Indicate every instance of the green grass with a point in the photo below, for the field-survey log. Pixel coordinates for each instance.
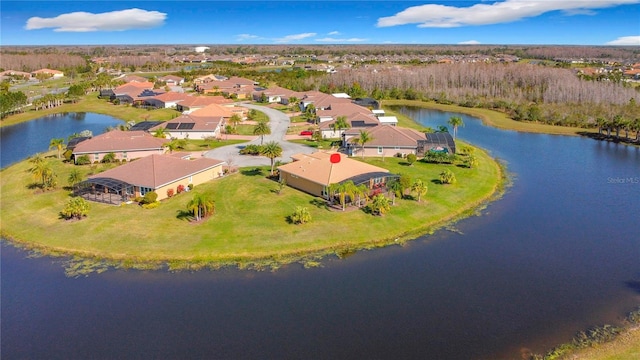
(91, 103)
(245, 129)
(489, 117)
(249, 227)
(201, 145)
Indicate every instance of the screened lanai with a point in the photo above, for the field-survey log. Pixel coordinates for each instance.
(105, 190)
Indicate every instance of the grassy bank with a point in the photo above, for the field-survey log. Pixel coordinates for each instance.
(91, 103)
(249, 228)
(489, 117)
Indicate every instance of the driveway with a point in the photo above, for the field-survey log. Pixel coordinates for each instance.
(279, 122)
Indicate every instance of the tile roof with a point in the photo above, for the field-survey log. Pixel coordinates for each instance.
(118, 140)
(317, 168)
(213, 110)
(387, 136)
(200, 123)
(157, 170)
(201, 101)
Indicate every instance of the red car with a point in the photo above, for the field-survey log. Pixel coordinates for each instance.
(306, 132)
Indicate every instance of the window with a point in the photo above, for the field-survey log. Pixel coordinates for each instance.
(124, 154)
(191, 179)
(96, 157)
(144, 190)
(380, 149)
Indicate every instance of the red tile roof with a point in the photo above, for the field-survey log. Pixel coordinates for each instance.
(157, 170)
(117, 140)
(386, 135)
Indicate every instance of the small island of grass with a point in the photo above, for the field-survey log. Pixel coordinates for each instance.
(249, 228)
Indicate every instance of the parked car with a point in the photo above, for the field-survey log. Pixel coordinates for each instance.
(306, 132)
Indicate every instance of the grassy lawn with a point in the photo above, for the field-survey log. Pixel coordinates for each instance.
(489, 117)
(202, 145)
(250, 226)
(245, 129)
(91, 103)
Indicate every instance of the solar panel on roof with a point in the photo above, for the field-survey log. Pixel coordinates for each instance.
(186, 126)
(172, 125)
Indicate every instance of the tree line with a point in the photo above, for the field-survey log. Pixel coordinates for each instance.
(523, 91)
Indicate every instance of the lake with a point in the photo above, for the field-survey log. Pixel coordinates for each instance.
(22, 140)
(557, 254)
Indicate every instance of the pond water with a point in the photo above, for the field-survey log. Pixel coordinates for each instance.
(559, 253)
(22, 140)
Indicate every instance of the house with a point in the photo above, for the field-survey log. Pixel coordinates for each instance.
(385, 141)
(192, 126)
(275, 94)
(193, 103)
(163, 174)
(168, 100)
(54, 74)
(440, 141)
(130, 92)
(126, 145)
(314, 173)
(357, 121)
(13, 74)
(132, 79)
(172, 80)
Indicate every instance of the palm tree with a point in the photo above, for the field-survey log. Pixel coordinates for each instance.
(42, 172)
(293, 103)
(272, 150)
(262, 129)
(455, 121)
(340, 124)
(57, 143)
(395, 187)
(235, 120)
(160, 133)
(201, 206)
(364, 138)
(75, 177)
(379, 205)
(420, 188)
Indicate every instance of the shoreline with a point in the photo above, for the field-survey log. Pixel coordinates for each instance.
(306, 253)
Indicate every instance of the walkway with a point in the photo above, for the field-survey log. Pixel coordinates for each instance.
(279, 122)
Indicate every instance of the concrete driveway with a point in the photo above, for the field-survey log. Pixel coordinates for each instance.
(279, 122)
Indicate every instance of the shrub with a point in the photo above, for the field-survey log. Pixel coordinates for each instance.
(152, 205)
(471, 161)
(170, 193)
(190, 186)
(180, 188)
(149, 197)
(447, 177)
(411, 158)
(83, 160)
(75, 208)
(301, 215)
(251, 149)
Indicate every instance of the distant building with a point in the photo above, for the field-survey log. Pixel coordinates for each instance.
(201, 49)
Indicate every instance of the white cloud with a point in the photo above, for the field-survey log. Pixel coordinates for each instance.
(243, 37)
(626, 40)
(444, 16)
(294, 37)
(334, 40)
(108, 21)
(334, 33)
(469, 42)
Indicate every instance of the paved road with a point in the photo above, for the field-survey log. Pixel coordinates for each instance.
(279, 122)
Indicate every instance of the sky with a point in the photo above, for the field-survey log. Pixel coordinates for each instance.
(245, 22)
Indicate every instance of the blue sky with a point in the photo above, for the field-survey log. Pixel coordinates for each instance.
(561, 22)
